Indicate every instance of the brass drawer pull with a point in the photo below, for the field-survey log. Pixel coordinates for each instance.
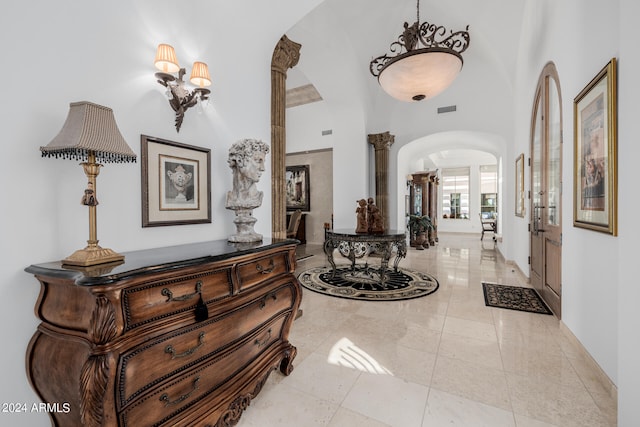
(263, 301)
(167, 293)
(264, 341)
(269, 269)
(165, 397)
(170, 350)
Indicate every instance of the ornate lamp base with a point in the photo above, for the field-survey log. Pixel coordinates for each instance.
(92, 255)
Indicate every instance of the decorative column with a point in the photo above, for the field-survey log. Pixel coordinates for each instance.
(285, 55)
(381, 143)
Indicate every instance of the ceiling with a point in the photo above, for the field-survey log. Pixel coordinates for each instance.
(340, 37)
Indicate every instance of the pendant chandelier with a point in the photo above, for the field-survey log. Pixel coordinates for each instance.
(423, 62)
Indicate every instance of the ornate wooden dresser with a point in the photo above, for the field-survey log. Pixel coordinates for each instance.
(184, 335)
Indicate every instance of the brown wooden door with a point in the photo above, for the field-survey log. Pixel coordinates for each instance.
(546, 190)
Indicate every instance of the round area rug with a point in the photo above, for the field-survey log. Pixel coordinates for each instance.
(364, 284)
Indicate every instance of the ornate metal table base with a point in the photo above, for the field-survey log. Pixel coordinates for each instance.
(354, 245)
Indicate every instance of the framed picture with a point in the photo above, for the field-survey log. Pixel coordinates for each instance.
(595, 153)
(176, 183)
(298, 188)
(520, 185)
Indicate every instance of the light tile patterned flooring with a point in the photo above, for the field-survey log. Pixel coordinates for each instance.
(441, 360)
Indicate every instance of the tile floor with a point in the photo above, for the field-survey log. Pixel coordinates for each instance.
(442, 360)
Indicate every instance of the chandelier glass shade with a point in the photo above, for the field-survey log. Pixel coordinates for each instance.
(423, 62)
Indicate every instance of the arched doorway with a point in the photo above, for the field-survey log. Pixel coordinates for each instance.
(488, 149)
(546, 190)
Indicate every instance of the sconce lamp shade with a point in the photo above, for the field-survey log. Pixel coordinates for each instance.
(90, 128)
(200, 75)
(166, 60)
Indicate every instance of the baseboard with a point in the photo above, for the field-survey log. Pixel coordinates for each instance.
(601, 376)
(517, 270)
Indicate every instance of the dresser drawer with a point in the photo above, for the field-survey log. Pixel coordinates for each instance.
(261, 269)
(158, 299)
(152, 362)
(169, 399)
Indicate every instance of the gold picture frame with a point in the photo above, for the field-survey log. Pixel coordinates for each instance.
(595, 198)
(176, 183)
(520, 186)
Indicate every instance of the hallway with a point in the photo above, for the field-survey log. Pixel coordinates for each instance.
(444, 359)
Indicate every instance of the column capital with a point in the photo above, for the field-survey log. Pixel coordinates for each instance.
(381, 141)
(285, 55)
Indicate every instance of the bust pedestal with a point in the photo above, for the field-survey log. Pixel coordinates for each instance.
(244, 222)
(243, 206)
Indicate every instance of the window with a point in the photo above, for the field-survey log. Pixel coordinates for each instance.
(455, 193)
(488, 191)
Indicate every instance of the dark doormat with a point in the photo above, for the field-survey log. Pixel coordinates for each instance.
(514, 298)
(365, 284)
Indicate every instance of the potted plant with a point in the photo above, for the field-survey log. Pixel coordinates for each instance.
(419, 225)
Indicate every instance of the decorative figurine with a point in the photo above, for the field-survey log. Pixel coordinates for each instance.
(362, 220)
(369, 218)
(246, 160)
(376, 222)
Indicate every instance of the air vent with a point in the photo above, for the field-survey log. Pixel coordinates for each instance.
(327, 132)
(448, 109)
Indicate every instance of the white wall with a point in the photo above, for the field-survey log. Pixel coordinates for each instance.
(628, 153)
(65, 51)
(321, 191)
(578, 37)
(340, 111)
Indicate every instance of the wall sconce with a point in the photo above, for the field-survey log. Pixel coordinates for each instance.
(180, 98)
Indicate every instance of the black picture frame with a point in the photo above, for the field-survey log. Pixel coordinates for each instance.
(176, 183)
(298, 188)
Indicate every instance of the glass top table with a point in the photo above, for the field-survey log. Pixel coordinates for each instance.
(354, 245)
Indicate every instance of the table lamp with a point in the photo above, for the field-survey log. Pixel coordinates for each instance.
(90, 134)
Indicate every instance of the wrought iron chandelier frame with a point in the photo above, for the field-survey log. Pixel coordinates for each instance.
(422, 38)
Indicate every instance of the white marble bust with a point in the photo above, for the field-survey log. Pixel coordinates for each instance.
(246, 160)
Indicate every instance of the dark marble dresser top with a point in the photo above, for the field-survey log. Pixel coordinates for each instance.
(157, 259)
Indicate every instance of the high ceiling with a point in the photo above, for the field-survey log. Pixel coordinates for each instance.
(340, 37)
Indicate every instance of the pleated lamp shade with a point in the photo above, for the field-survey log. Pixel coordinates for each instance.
(166, 60)
(200, 74)
(90, 128)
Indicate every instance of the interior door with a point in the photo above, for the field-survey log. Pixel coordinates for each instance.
(546, 191)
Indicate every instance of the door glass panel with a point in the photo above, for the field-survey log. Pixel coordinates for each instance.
(455, 205)
(554, 155)
(417, 199)
(536, 156)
